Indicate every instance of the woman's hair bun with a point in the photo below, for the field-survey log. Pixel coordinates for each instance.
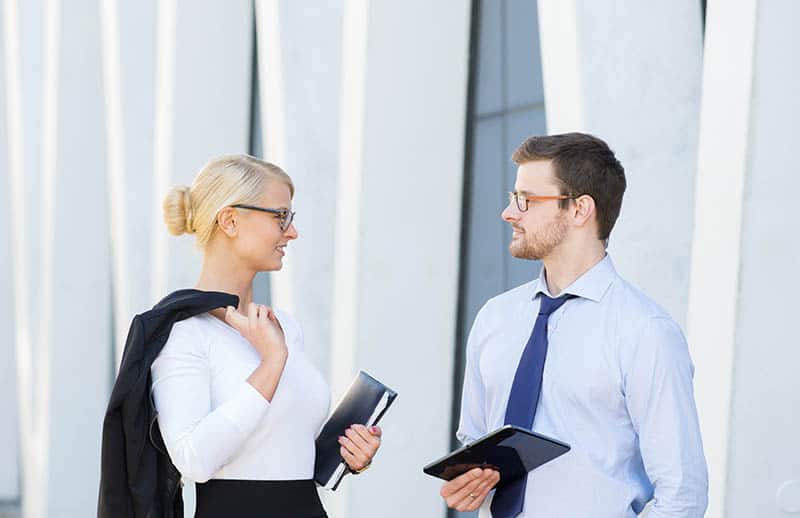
(178, 213)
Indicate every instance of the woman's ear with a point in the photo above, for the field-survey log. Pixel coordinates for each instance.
(227, 221)
(583, 209)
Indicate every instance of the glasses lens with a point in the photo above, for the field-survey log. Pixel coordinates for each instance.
(521, 201)
(286, 220)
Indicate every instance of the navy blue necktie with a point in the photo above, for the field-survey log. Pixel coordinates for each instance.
(510, 498)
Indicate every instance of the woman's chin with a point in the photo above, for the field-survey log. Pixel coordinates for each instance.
(274, 265)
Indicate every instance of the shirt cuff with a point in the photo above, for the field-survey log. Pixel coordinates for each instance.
(246, 408)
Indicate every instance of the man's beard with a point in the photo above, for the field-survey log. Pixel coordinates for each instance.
(539, 245)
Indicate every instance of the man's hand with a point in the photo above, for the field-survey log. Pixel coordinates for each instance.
(467, 491)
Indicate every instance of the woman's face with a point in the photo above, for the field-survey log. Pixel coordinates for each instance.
(260, 243)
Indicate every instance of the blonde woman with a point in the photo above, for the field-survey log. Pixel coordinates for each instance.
(239, 403)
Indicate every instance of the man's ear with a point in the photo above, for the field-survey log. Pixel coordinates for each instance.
(227, 221)
(583, 210)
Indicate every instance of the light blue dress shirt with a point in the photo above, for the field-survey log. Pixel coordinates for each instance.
(617, 387)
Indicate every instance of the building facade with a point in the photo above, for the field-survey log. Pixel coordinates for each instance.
(396, 121)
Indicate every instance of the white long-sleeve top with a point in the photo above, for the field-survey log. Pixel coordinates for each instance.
(216, 425)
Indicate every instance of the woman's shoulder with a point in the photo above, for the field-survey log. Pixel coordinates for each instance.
(291, 328)
(190, 335)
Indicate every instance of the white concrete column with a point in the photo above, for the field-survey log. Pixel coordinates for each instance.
(403, 97)
(9, 431)
(60, 250)
(629, 73)
(202, 110)
(745, 257)
(128, 58)
(299, 47)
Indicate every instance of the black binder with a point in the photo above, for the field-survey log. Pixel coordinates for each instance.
(511, 450)
(365, 402)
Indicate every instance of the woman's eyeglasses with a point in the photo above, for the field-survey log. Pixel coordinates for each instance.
(285, 216)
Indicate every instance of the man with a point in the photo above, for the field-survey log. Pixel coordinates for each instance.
(581, 356)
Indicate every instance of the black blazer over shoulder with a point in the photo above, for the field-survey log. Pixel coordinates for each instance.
(137, 477)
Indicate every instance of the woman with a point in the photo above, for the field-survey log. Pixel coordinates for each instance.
(239, 403)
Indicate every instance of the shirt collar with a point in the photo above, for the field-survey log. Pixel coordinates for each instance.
(591, 285)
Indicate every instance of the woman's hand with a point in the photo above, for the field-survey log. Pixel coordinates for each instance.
(261, 328)
(359, 445)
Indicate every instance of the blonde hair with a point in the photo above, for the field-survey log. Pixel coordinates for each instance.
(225, 181)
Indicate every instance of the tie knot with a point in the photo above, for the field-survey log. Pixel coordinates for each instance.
(548, 305)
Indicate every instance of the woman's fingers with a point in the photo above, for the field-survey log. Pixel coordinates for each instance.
(252, 315)
(351, 459)
(372, 440)
(359, 457)
(360, 442)
(263, 316)
(234, 318)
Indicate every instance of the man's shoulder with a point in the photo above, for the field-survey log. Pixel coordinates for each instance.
(633, 299)
(636, 311)
(519, 294)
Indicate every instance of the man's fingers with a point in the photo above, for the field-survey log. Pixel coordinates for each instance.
(464, 496)
(480, 493)
(453, 486)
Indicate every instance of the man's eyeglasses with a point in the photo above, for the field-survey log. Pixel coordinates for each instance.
(521, 200)
(285, 216)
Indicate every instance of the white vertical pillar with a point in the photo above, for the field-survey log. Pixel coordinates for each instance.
(202, 102)
(722, 159)
(745, 259)
(630, 73)
(60, 250)
(299, 47)
(202, 99)
(9, 432)
(398, 230)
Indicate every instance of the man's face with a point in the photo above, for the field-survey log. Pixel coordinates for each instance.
(540, 229)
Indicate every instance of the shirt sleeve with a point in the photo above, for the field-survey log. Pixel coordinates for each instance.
(199, 440)
(472, 423)
(660, 400)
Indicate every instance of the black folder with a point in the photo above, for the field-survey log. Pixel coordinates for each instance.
(511, 450)
(365, 402)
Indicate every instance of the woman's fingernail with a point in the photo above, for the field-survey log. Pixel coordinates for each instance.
(374, 429)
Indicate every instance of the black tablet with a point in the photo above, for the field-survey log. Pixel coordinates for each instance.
(511, 450)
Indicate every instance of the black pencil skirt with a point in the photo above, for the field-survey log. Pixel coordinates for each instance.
(222, 498)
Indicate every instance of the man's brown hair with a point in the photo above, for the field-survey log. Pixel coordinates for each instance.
(583, 164)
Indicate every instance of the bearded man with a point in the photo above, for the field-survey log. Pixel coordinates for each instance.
(580, 355)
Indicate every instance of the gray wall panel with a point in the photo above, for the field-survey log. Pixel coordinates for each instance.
(489, 76)
(522, 56)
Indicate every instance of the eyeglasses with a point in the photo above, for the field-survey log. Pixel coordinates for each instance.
(285, 216)
(521, 200)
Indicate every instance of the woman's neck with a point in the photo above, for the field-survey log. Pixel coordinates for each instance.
(220, 274)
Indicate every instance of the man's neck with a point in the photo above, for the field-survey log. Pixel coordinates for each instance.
(564, 266)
